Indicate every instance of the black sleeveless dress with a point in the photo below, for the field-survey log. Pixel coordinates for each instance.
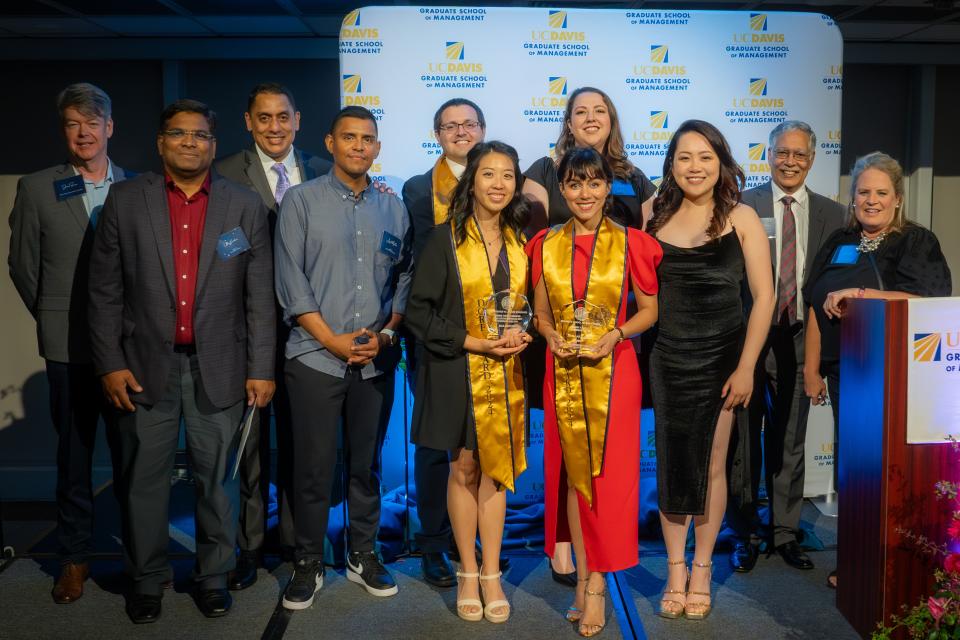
(699, 340)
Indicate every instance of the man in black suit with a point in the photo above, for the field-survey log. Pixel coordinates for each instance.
(269, 167)
(52, 225)
(459, 125)
(798, 221)
(182, 326)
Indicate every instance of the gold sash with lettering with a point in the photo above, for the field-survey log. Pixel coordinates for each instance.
(443, 185)
(582, 390)
(497, 397)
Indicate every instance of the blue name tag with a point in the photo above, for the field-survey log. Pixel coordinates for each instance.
(390, 245)
(845, 254)
(69, 187)
(232, 243)
(622, 188)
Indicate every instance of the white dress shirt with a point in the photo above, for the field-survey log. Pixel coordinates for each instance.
(457, 169)
(801, 216)
(289, 163)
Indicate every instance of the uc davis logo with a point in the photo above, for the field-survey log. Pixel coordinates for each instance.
(352, 19)
(557, 85)
(351, 83)
(658, 119)
(659, 54)
(757, 151)
(454, 51)
(557, 19)
(758, 22)
(758, 86)
(926, 347)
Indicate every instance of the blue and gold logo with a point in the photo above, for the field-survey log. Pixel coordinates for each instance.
(549, 107)
(557, 85)
(652, 141)
(557, 19)
(926, 347)
(454, 51)
(830, 143)
(758, 86)
(757, 151)
(557, 41)
(658, 119)
(758, 22)
(456, 71)
(659, 74)
(658, 18)
(659, 54)
(758, 43)
(351, 83)
(356, 38)
(757, 169)
(352, 90)
(451, 14)
(758, 107)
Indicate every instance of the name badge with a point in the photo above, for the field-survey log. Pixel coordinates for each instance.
(69, 187)
(622, 188)
(845, 254)
(232, 243)
(390, 245)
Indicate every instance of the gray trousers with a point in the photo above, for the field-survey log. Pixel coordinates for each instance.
(148, 444)
(780, 403)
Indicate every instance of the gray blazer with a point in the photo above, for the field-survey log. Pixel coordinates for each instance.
(244, 167)
(50, 245)
(132, 293)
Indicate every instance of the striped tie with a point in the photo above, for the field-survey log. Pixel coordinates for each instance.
(787, 284)
(283, 182)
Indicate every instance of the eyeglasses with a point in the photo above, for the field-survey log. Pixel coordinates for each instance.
(180, 134)
(452, 127)
(799, 156)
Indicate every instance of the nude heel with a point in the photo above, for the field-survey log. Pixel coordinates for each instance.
(490, 606)
(470, 616)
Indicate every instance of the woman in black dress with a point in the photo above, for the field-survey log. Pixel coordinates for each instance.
(470, 396)
(880, 254)
(704, 357)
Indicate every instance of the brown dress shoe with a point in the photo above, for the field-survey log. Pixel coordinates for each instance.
(69, 585)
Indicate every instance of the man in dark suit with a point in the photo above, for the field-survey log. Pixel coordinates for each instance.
(182, 326)
(798, 221)
(269, 167)
(60, 205)
(459, 125)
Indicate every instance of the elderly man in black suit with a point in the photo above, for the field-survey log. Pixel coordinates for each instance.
(798, 221)
(269, 167)
(52, 226)
(182, 327)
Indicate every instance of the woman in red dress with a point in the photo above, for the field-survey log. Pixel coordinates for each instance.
(581, 269)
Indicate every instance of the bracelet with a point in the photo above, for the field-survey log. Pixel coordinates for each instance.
(620, 331)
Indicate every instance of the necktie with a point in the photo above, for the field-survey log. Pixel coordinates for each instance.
(787, 284)
(283, 182)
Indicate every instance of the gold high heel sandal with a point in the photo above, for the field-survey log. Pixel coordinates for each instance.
(700, 610)
(573, 614)
(470, 616)
(670, 608)
(590, 630)
(496, 604)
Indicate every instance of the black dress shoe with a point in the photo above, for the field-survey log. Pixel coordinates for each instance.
(437, 570)
(246, 572)
(566, 579)
(143, 608)
(743, 558)
(794, 556)
(213, 603)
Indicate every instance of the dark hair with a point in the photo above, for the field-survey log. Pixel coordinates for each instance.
(353, 112)
(186, 105)
(458, 102)
(273, 88)
(514, 215)
(726, 193)
(88, 99)
(613, 149)
(586, 164)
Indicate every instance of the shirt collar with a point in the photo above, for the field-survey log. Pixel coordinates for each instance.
(107, 180)
(171, 185)
(799, 196)
(289, 162)
(457, 169)
(345, 191)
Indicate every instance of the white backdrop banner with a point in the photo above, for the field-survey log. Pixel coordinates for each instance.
(933, 369)
(744, 72)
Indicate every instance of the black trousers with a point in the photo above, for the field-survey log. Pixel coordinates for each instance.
(76, 405)
(319, 404)
(148, 439)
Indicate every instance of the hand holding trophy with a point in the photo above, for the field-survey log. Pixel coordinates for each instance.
(506, 316)
(582, 325)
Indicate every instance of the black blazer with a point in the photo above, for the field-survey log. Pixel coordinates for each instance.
(418, 198)
(132, 309)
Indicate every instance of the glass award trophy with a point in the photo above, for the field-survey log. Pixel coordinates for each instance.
(506, 312)
(582, 324)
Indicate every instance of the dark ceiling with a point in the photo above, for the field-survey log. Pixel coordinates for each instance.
(866, 21)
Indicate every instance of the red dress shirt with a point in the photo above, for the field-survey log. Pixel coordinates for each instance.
(187, 216)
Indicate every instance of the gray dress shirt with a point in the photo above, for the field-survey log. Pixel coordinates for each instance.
(347, 256)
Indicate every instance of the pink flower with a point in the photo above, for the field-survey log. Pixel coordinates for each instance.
(952, 563)
(954, 529)
(937, 607)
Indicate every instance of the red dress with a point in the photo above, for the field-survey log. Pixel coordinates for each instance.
(610, 527)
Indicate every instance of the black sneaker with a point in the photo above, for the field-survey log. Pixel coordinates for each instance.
(307, 580)
(364, 568)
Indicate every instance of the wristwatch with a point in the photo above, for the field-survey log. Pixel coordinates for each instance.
(390, 333)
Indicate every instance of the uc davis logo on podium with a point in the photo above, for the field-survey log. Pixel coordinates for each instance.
(926, 347)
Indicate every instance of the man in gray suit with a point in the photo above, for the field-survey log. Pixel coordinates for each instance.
(798, 221)
(269, 167)
(182, 327)
(60, 205)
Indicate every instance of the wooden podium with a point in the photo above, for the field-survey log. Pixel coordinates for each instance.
(886, 485)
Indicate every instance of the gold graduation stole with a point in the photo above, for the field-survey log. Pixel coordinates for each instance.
(443, 185)
(497, 396)
(582, 396)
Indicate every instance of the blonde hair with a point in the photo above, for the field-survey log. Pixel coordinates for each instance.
(887, 164)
